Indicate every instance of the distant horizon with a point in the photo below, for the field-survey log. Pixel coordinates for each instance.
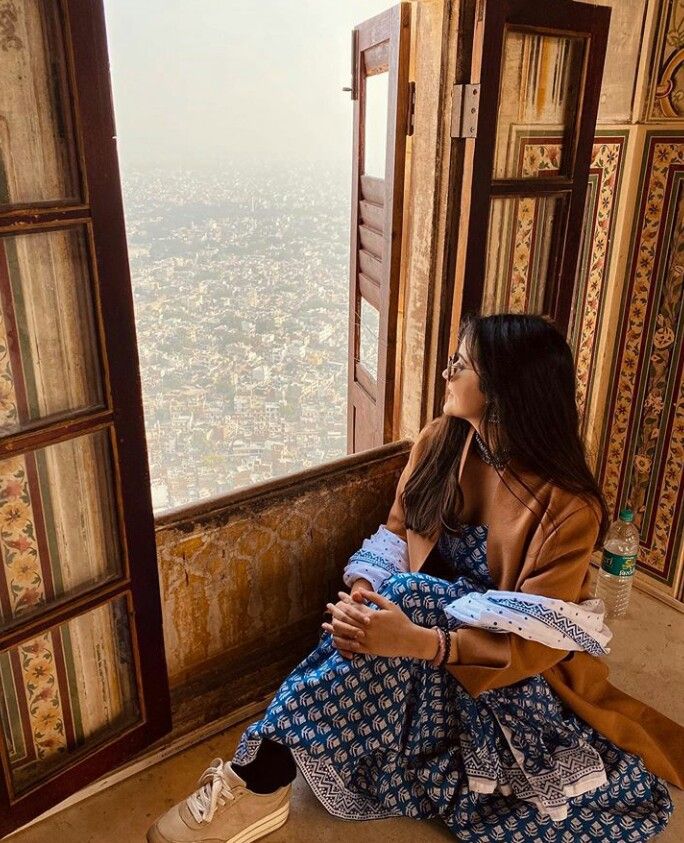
(208, 163)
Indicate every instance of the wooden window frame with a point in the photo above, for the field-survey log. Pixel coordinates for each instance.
(473, 185)
(100, 215)
(384, 38)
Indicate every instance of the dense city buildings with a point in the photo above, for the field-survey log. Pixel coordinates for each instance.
(240, 280)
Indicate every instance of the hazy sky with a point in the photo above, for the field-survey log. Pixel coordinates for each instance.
(233, 80)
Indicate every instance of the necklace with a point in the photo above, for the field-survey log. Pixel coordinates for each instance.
(487, 456)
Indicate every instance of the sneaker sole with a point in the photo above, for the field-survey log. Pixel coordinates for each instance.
(263, 826)
(260, 828)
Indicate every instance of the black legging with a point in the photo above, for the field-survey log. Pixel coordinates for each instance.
(271, 768)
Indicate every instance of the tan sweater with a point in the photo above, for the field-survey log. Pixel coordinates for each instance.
(554, 561)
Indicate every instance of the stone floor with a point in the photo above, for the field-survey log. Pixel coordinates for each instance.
(646, 661)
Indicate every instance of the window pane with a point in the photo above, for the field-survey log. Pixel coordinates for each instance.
(238, 236)
(37, 162)
(370, 338)
(58, 534)
(522, 232)
(46, 326)
(540, 86)
(66, 690)
(375, 126)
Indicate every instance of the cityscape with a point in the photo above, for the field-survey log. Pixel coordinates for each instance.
(240, 284)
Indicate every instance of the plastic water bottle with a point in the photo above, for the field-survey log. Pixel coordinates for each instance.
(618, 564)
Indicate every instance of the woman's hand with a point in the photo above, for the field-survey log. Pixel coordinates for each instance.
(349, 622)
(385, 632)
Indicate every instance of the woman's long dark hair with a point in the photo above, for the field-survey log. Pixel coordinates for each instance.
(527, 374)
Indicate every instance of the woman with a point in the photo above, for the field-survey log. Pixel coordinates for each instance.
(446, 684)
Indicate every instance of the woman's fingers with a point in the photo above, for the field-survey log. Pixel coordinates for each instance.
(378, 599)
(340, 628)
(344, 645)
(349, 620)
(359, 613)
(342, 613)
(354, 615)
(345, 638)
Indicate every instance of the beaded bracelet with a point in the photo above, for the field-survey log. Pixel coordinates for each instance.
(437, 660)
(445, 657)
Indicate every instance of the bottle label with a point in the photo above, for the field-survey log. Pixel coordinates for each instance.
(621, 566)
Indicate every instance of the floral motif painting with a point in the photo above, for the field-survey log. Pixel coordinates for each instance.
(643, 442)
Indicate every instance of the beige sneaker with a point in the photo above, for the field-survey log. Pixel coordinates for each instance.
(223, 810)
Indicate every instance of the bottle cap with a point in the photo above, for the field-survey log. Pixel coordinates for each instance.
(626, 514)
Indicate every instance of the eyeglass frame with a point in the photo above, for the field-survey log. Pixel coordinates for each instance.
(452, 362)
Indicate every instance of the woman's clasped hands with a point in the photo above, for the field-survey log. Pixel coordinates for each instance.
(356, 628)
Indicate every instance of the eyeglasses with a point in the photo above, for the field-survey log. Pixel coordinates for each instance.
(453, 365)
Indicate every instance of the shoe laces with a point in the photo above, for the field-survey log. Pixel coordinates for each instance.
(214, 790)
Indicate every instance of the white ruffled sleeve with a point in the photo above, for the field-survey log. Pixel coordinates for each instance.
(383, 554)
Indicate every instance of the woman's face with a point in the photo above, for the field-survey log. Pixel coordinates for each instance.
(463, 396)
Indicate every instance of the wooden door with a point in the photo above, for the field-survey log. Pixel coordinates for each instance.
(383, 100)
(82, 665)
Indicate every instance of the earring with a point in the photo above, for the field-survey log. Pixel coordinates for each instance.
(495, 417)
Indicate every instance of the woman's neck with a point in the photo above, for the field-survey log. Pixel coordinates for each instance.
(478, 482)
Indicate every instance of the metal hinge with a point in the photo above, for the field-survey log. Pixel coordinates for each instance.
(411, 108)
(354, 89)
(465, 107)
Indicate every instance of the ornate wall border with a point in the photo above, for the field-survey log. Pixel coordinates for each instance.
(642, 449)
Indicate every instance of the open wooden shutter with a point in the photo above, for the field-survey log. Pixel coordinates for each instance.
(383, 101)
(82, 665)
(523, 125)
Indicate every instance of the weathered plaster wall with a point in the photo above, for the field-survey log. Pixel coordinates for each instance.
(624, 51)
(249, 573)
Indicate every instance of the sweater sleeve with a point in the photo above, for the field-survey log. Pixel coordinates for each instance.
(486, 659)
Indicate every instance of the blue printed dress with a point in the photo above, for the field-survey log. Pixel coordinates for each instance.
(379, 737)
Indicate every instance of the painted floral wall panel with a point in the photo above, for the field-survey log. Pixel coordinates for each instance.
(65, 690)
(596, 245)
(74, 684)
(643, 441)
(666, 96)
(643, 430)
(520, 229)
